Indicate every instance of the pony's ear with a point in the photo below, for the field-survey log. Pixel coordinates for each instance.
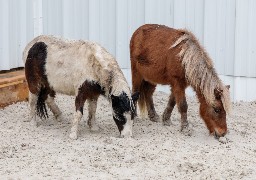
(228, 86)
(218, 93)
(135, 96)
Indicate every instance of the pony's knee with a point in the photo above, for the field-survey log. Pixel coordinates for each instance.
(183, 106)
(171, 102)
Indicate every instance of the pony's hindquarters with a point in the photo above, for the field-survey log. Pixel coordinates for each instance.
(137, 79)
(40, 92)
(36, 78)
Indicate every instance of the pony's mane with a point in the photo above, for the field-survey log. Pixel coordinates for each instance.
(111, 74)
(199, 70)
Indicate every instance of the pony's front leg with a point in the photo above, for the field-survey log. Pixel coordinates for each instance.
(74, 129)
(79, 103)
(183, 107)
(92, 106)
(168, 111)
(181, 101)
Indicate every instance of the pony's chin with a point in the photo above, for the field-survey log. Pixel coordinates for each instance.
(217, 136)
(126, 132)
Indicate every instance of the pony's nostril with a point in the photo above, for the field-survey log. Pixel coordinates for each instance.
(223, 134)
(216, 135)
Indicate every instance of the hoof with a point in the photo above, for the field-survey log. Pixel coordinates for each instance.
(73, 135)
(95, 128)
(167, 122)
(27, 120)
(59, 118)
(34, 123)
(125, 135)
(154, 118)
(186, 130)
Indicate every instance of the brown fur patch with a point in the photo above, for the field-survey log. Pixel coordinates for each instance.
(89, 89)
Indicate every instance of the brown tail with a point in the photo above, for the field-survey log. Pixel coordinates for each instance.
(142, 99)
(41, 106)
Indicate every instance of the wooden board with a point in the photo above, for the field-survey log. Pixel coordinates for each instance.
(13, 88)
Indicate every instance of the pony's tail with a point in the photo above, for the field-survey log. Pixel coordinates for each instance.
(142, 100)
(41, 110)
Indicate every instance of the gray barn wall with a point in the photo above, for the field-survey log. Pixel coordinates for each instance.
(225, 27)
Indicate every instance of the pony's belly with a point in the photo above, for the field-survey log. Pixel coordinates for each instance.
(155, 77)
(62, 87)
(156, 81)
(65, 90)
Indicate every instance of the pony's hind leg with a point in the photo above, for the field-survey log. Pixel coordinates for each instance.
(54, 108)
(148, 92)
(168, 111)
(92, 106)
(32, 107)
(136, 84)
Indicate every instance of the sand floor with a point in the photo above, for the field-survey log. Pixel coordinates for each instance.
(154, 152)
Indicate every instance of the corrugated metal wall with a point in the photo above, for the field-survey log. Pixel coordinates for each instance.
(16, 20)
(225, 27)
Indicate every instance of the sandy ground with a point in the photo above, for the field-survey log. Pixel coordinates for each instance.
(154, 152)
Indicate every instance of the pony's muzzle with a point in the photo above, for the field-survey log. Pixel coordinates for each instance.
(219, 133)
(127, 127)
(126, 132)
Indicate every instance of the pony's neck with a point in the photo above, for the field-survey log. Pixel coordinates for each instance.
(200, 96)
(119, 84)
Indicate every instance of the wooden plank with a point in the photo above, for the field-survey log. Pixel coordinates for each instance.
(13, 92)
(13, 87)
(12, 79)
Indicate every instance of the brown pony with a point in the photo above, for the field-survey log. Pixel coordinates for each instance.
(167, 56)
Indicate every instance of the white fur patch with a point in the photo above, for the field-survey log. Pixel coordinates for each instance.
(74, 129)
(32, 103)
(127, 131)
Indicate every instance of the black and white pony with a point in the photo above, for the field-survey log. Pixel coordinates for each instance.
(80, 68)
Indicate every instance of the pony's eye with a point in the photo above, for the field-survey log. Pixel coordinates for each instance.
(217, 110)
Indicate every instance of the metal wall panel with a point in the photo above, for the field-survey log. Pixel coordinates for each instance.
(16, 19)
(225, 27)
(245, 48)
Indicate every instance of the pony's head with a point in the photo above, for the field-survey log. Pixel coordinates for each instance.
(124, 112)
(214, 115)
